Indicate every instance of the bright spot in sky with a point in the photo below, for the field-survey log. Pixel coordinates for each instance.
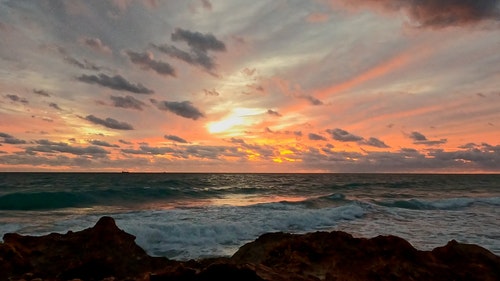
(237, 118)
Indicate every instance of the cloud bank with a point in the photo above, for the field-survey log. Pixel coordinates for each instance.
(439, 14)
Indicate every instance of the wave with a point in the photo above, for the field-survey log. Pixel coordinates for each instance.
(183, 234)
(49, 200)
(154, 192)
(440, 204)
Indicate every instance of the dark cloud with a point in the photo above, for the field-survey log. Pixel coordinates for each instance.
(58, 160)
(195, 58)
(442, 13)
(376, 143)
(16, 98)
(316, 137)
(127, 102)
(416, 136)
(116, 82)
(125, 142)
(87, 65)
(212, 92)
(184, 108)
(198, 41)
(55, 106)
(96, 44)
(469, 145)
(274, 113)
(102, 143)
(41, 93)
(199, 44)
(484, 157)
(51, 147)
(192, 151)
(8, 139)
(147, 150)
(311, 99)
(109, 123)
(206, 4)
(344, 136)
(419, 138)
(146, 61)
(480, 158)
(237, 141)
(175, 138)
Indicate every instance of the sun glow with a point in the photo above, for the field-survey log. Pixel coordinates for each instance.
(239, 117)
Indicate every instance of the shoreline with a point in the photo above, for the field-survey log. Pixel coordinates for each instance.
(105, 252)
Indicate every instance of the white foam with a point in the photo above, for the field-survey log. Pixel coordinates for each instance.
(195, 233)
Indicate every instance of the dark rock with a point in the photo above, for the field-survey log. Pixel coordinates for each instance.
(339, 256)
(91, 254)
(104, 252)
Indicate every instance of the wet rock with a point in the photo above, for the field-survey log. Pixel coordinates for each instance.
(91, 254)
(105, 252)
(339, 256)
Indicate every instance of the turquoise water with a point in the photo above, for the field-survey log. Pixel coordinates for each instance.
(185, 216)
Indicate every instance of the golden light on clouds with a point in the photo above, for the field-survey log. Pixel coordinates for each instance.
(259, 86)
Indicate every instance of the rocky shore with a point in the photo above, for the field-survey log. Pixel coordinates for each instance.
(104, 252)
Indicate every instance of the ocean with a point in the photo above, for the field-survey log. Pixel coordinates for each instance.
(191, 216)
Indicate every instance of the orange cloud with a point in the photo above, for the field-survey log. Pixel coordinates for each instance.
(375, 72)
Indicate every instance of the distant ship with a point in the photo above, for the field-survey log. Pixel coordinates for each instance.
(125, 172)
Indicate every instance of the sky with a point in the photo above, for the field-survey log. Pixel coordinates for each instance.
(250, 86)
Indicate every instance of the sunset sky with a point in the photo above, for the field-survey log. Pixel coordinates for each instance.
(250, 86)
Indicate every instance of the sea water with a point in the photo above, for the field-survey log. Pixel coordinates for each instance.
(191, 216)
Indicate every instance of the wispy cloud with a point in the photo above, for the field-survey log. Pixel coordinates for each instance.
(54, 106)
(127, 102)
(16, 98)
(200, 44)
(175, 138)
(343, 135)
(102, 143)
(439, 14)
(146, 61)
(40, 92)
(419, 138)
(116, 82)
(96, 44)
(312, 100)
(85, 64)
(109, 123)
(316, 137)
(273, 112)
(375, 143)
(48, 146)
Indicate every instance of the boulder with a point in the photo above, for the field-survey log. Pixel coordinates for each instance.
(91, 254)
(339, 256)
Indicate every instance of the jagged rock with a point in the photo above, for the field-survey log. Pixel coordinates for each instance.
(104, 252)
(91, 254)
(339, 256)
